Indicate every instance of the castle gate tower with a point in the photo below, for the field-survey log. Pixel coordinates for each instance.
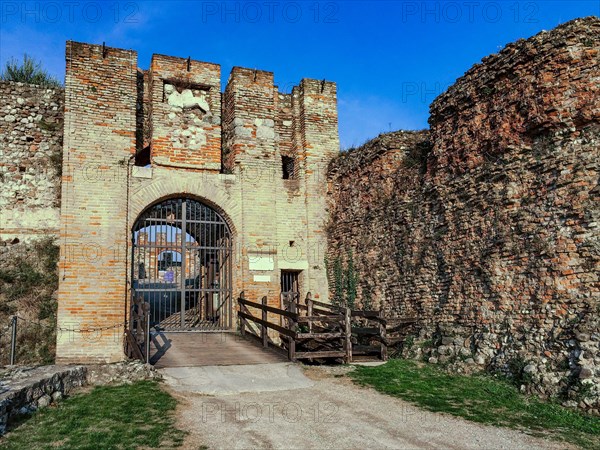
(184, 194)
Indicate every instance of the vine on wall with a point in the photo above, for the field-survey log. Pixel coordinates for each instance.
(345, 280)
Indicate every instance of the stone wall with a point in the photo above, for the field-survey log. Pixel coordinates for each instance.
(532, 88)
(31, 131)
(485, 229)
(25, 390)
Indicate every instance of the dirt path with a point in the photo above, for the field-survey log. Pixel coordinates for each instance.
(333, 413)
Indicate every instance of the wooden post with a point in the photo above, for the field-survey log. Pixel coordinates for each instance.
(383, 335)
(281, 306)
(131, 312)
(242, 322)
(348, 342)
(263, 329)
(291, 339)
(309, 310)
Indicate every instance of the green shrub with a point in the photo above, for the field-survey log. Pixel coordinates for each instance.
(345, 280)
(28, 71)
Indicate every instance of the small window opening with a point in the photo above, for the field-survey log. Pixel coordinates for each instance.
(290, 282)
(288, 165)
(142, 158)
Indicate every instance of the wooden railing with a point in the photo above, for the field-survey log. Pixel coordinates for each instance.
(371, 328)
(316, 329)
(326, 330)
(313, 330)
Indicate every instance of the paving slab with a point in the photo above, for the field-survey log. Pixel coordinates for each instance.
(236, 379)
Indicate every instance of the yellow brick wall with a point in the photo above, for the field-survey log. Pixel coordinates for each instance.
(99, 139)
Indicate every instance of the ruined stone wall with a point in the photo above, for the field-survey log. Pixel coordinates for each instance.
(485, 229)
(31, 132)
(532, 88)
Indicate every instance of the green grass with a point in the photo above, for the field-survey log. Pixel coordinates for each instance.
(480, 398)
(109, 417)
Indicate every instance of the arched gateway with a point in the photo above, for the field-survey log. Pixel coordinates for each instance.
(181, 265)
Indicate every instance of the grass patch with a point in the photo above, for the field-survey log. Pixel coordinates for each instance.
(480, 398)
(109, 417)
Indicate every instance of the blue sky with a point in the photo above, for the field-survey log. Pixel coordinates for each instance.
(389, 58)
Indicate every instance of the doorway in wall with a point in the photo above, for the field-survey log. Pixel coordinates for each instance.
(290, 287)
(182, 265)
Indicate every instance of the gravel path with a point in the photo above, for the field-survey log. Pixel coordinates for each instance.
(333, 413)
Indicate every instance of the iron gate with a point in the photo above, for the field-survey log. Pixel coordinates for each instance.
(181, 266)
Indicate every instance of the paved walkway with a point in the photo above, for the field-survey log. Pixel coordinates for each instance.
(231, 380)
(195, 349)
(317, 408)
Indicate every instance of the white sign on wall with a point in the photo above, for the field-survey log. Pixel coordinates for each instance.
(261, 262)
(262, 278)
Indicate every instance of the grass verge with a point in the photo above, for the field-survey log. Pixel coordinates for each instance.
(109, 417)
(480, 398)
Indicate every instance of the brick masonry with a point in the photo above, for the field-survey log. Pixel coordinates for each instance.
(485, 228)
(185, 107)
(99, 143)
(224, 149)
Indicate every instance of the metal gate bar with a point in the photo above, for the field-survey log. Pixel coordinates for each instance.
(181, 265)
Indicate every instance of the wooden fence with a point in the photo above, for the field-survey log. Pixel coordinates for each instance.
(316, 330)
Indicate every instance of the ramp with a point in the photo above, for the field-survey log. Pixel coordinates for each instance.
(196, 349)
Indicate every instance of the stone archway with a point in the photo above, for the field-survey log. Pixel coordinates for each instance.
(181, 264)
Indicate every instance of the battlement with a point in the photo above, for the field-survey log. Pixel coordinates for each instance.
(101, 83)
(183, 120)
(251, 77)
(94, 52)
(323, 88)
